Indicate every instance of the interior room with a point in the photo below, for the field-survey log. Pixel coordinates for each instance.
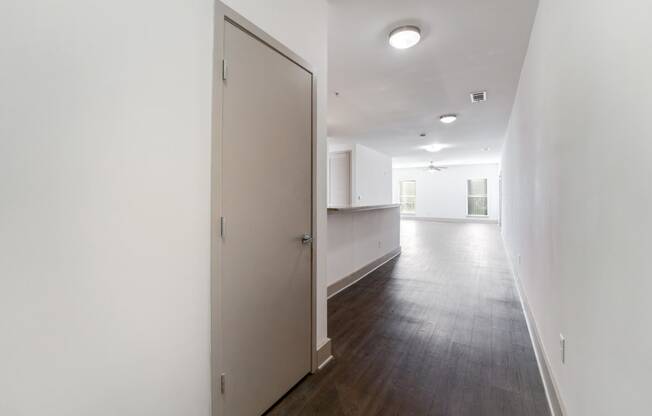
(325, 207)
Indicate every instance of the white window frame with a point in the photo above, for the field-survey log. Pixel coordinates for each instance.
(485, 196)
(401, 196)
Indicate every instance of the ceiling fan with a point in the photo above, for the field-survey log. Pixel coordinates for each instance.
(432, 168)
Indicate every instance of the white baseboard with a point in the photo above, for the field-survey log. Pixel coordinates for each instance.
(353, 278)
(455, 220)
(324, 355)
(557, 407)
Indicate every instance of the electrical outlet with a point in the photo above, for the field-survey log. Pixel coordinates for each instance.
(562, 348)
(380, 244)
(518, 259)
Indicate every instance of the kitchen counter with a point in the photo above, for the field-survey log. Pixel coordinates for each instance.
(360, 239)
(354, 208)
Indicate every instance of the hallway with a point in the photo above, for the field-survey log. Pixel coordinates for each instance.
(437, 331)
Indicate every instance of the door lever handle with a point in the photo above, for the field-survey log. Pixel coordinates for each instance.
(306, 239)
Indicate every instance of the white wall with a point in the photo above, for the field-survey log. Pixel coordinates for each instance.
(358, 238)
(444, 194)
(576, 166)
(339, 179)
(105, 132)
(371, 174)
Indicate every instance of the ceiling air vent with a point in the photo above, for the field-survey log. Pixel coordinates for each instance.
(478, 97)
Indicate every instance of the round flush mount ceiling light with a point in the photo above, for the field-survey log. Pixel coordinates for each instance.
(434, 148)
(448, 118)
(404, 37)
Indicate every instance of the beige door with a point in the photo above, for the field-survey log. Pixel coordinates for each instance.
(266, 205)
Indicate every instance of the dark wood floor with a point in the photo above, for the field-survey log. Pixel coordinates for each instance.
(438, 331)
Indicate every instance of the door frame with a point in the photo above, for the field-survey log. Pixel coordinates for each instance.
(224, 13)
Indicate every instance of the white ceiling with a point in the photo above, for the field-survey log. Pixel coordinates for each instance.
(387, 97)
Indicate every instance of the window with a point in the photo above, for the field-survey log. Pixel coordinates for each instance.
(408, 197)
(477, 197)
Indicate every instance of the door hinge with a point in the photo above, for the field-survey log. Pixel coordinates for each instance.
(222, 226)
(223, 383)
(224, 68)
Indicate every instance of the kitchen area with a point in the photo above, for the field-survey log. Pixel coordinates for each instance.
(363, 223)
